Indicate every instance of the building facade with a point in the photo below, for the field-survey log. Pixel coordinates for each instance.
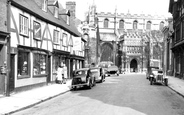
(124, 38)
(168, 54)
(176, 8)
(40, 41)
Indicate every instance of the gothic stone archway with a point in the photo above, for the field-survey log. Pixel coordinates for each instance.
(133, 65)
(106, 52)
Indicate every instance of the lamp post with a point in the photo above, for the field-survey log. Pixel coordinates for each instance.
(86, 37)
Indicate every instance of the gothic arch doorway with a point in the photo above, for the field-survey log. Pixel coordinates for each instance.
(106, 52)
(133, 65)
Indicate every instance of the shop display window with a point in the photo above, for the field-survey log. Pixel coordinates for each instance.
(39, 64)
(23, 64)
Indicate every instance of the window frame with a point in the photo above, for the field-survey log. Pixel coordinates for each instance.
(106, 23)
(135, 24)
(34, 28)
(23, 25)
(161, 25)
(56, 36)
(121, 24)
(65, 39)
(148, 25)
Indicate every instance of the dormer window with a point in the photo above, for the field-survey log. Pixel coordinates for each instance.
(68, 20)
(54, 7)
(45, 5)
(65, 14)
(56, 12)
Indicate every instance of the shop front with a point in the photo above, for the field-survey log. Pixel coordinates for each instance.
(60, 58)
(4, 85)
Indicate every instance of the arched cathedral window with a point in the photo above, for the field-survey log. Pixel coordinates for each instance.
(135, 24)
(106, 23)
(148, 25)
(121, 24)
(161, 25)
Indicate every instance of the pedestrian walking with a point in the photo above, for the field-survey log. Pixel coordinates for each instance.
(65, 74)
(59, 77)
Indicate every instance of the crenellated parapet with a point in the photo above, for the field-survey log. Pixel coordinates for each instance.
(129, 15)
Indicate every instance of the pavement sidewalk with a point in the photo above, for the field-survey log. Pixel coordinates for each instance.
(22, 100)
(176, 84)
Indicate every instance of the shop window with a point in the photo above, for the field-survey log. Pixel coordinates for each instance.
(39, 64)
(23, 64)
(37, 30)
(23, 25)
(106, 23)
(56, 37)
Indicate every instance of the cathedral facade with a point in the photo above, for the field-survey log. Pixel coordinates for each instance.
(125, 39)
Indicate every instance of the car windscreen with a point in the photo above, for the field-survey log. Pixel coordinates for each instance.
(81, 72)
(160, 71)
(94, 70)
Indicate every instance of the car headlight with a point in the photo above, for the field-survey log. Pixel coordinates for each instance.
(151, 75)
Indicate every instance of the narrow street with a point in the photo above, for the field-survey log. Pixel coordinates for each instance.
(128, 94)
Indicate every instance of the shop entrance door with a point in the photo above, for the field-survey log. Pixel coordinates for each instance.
(12, 79)
(2, 77)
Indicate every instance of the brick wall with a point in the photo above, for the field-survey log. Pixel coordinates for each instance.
(3, 15)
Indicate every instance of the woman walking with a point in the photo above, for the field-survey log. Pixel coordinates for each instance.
(59, 76)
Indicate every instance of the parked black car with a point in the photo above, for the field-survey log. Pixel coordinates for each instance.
(83, 77)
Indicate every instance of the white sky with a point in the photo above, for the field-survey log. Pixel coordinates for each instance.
(159, 7)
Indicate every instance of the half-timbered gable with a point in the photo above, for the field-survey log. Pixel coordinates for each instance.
(35, 35)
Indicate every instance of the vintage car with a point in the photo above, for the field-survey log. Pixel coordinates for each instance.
(149, 70)
(98, 73)
(113, 70)
(83, 77)
(156, 76)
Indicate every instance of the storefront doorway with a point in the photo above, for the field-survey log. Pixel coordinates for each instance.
(2, 77)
